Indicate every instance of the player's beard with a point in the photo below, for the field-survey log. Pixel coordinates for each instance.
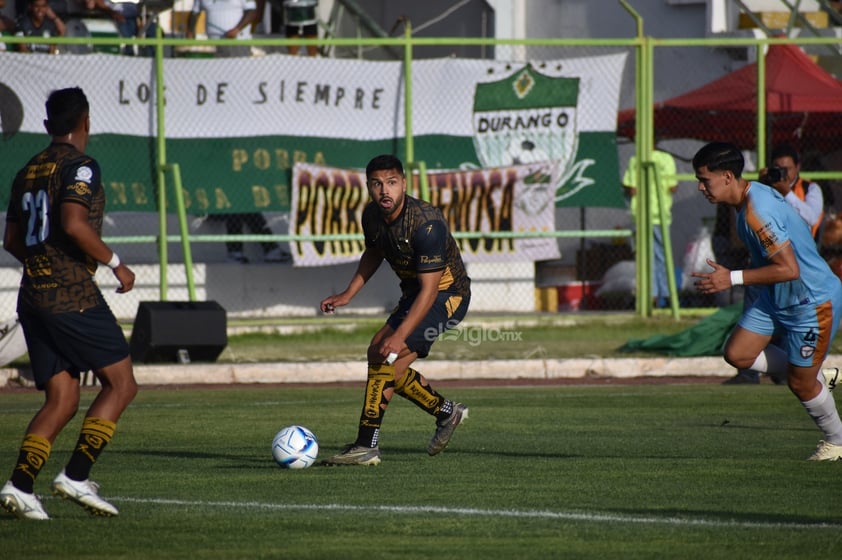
(392, 212)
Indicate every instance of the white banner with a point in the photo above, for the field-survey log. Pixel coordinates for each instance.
(278, 94)
(236, 126)
(515, 199)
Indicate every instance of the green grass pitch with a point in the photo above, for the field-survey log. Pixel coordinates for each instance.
(600, 471)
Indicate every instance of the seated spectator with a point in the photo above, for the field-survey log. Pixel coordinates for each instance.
(39, 21)
(7, 26)
(124, 14)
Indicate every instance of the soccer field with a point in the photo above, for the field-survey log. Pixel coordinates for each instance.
(592, 471)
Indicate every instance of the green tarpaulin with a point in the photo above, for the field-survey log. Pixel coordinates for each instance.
(703, 339)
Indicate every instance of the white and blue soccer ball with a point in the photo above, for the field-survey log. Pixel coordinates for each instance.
(295, 447)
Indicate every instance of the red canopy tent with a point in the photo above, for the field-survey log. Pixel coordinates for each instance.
(803, 105)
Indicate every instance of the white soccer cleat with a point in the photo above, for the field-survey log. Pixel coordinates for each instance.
(831, 377)
(83, 492)
(826, 451)
(22, 504)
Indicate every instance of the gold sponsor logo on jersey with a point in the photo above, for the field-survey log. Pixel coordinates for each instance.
(80, 188)
(434, 259)
(40, 170)
(37, 266)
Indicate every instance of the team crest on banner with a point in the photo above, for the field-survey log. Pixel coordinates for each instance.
(526, 118)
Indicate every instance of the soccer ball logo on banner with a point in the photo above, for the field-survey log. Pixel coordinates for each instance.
(528, 118)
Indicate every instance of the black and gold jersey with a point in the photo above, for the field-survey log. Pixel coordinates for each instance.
(417, 241)
(57, 275)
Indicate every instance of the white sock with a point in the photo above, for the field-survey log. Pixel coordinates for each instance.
(822, 409)
(772, 361)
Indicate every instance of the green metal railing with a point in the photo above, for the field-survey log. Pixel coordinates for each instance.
(644, 48)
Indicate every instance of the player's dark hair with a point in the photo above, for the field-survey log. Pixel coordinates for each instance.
(383, 162)
(720, 156)
(785, 150)
(65, 109)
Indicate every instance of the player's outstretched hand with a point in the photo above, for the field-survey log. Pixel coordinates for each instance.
(712, 282)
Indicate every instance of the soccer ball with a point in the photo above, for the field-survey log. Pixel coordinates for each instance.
(295, 447)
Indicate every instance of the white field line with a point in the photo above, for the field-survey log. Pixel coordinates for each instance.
(503, 513)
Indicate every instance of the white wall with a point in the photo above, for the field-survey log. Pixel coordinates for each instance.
(281, 290)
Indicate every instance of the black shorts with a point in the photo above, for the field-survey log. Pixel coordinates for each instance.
(447, 311)
(76, 341)
(307, 31)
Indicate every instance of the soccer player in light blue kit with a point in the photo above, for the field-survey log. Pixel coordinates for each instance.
(802, 296)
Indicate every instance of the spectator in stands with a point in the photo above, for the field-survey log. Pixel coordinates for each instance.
(784, 175)
(301, 21)
(39, 21)
(226, 19)
(7, 24)
(232, 19)
(125, 16)
(665, 169)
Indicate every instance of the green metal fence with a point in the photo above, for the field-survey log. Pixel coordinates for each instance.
(176, 237)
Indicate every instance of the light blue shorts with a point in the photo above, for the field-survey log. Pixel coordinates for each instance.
(806, 330)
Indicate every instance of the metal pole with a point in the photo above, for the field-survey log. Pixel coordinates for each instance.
(162, 161)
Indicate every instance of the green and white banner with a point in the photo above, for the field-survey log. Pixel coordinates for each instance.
(514, 199)
(236, 127)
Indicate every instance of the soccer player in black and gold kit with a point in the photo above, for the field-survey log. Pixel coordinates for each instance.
(53, 227)
(413, 237)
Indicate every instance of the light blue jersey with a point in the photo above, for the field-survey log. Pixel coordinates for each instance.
(808, 308)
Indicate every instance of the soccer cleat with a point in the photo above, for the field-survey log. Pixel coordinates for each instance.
(831, 377)
(353, 454)
(83, 492)
(826, 451)
(446, 427)
(22, 504)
